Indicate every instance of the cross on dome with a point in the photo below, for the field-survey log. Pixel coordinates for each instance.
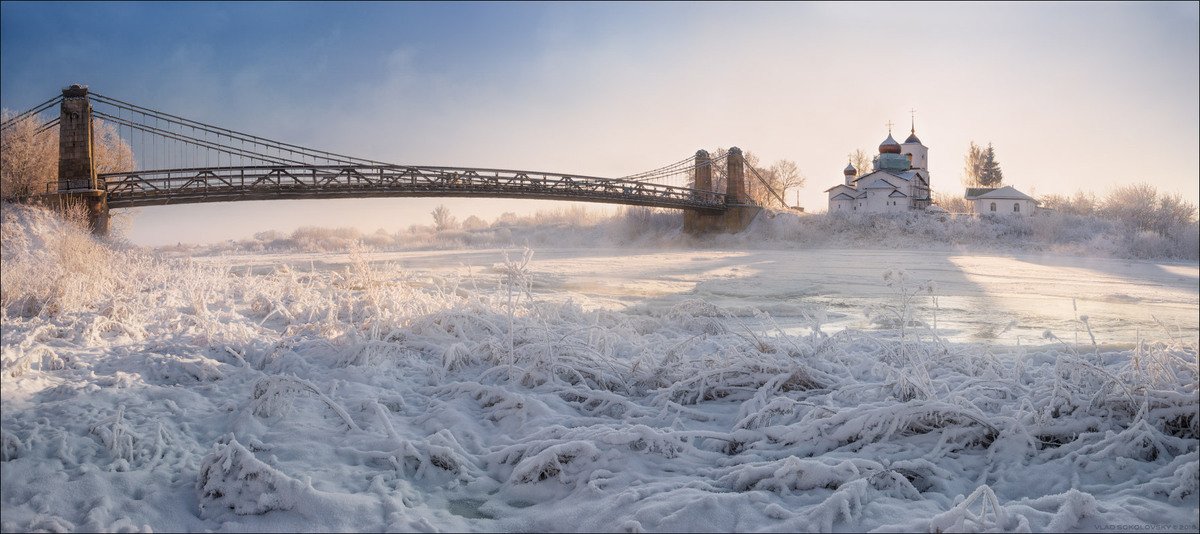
(912, 137)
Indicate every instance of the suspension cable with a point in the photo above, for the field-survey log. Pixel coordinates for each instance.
(681, 168)
(48, 126)
(768, 185)
(244, 137)
(159, 132)
(657, 172)
(30, 112)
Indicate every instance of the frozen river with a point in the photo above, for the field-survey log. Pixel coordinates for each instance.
(1004, 300)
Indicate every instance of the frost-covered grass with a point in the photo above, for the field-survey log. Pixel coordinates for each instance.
(181, 397)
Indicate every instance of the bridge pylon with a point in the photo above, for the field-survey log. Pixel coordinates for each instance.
(740, 211)
(77, 182)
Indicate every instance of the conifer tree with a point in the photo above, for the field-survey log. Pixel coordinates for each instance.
(981, 169)
(990, 174)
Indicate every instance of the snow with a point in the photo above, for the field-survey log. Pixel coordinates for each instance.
(601, 388)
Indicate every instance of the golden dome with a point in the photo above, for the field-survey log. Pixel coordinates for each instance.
(889, 146)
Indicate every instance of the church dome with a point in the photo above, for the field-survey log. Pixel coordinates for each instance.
(912, 138)
(889, 146)
(850, 170)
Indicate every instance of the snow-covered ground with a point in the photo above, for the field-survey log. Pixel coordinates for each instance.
(594, 389)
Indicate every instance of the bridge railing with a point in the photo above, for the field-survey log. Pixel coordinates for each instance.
(218, 184)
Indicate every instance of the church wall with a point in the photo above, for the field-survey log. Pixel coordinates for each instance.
(877, 201)
(841, 206)
(920, 155)
(846, 203)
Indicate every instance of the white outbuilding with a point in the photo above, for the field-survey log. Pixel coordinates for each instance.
(1000, 201)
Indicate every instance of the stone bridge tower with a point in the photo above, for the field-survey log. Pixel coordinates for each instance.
(740, 211)
(77, 182)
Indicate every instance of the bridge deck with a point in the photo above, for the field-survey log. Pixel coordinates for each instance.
(226, 184)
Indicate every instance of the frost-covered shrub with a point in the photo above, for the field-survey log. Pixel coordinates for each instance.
(380, 240)
(231, 477)
(315, 239)
(1141, 208)
(50, 266)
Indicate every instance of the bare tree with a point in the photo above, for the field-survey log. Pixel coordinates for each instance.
(1055, 202)
(788, 174)
(1133, 204)
(1175, 212)
(1082, 203)
(442, 220)
(779, 177)
(1140, 206)
(113, 154)
(861, 162)
(28, 157)
(974, 166)
(29, 150)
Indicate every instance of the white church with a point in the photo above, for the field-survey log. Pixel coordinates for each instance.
(898, 181)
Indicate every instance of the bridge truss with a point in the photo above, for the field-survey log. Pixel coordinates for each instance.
(274, 182)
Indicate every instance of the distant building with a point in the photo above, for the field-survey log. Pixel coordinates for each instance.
(898, 181)
(1001, 200)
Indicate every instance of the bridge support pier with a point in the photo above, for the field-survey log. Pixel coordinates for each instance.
(77, 182)
(739, 212)
(733, 220)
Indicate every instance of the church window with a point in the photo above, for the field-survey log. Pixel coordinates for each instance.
(1016, 207)
(993, 206)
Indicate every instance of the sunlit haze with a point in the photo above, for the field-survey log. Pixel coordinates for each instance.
(1073, 96)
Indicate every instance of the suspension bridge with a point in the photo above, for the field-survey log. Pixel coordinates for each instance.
(175, 160)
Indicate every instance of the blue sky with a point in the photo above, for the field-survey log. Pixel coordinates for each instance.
(1072, 95)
